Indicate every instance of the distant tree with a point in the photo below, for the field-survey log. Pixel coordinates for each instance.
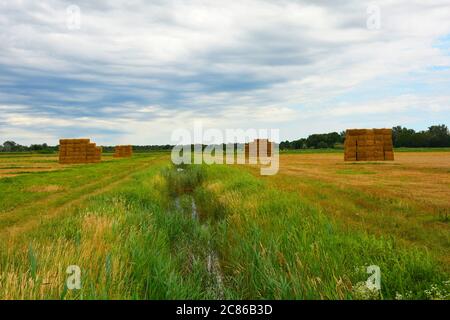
(333, 138)
(395, 133)
(9, 146)
(313, 140)
(330, 139)
(285, 145)
(403, 137)
(435, 136)
(322, 145)
(298, 144)
(438, 136)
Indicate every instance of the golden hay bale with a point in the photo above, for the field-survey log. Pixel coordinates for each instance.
(382, 131)
(389, 155)
(371, 144)
(361, 137)
(350, 141)
(360, 143)
(360, 132)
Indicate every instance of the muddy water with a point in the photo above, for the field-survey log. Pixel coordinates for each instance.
(212, 260)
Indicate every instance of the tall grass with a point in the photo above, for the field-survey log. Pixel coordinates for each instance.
(129, 244)
(273, 245)
(134, 242)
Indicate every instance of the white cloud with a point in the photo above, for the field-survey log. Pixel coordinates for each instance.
(145, 66)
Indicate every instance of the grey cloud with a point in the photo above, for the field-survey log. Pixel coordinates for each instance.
(206, 57)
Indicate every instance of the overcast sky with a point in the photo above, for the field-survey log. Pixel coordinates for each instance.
(133, 71)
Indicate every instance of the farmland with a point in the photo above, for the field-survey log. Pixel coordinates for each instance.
(141, 229)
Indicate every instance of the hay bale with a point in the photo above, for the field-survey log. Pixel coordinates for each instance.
(371, 144)
(350, 141)
(389, 155)
(123, 151)
(76, 151)
(351, 149)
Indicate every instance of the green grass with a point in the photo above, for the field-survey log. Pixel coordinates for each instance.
(274, 245)
(132, 241)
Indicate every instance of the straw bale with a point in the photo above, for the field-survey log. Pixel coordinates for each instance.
(389, 155)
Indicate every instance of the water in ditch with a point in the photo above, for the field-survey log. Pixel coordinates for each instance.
(212, 260)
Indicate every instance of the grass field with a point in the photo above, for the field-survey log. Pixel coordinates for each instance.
(142, 229)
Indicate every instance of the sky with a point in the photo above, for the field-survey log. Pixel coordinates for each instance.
(132, 72)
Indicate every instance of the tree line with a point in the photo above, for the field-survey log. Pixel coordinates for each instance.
(11, 146)
(433, 137)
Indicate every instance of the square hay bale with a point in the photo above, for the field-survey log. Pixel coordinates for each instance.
(350, 141)
(350, 149)
(371, 144)
(349, 158)
(123, 151)
(389, 155)
(361, 142)
(76, 151)
(254, 148)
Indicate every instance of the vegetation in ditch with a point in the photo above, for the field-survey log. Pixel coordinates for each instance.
(274, 245)
(129, 243)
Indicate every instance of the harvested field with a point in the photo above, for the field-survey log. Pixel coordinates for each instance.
(409, 197)
(13, 166)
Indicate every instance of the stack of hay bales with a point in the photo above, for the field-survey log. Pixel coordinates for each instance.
(73, 151)
(93, 153)
(252, 149)
(123, 151)
(368, 145)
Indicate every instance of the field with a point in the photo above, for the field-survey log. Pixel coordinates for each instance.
(141, 228)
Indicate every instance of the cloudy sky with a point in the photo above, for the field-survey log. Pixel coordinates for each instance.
(133, 71)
